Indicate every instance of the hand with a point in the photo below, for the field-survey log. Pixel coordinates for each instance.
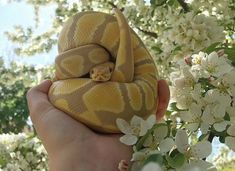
(73, 146)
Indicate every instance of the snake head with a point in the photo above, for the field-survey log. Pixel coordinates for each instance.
(102, 72)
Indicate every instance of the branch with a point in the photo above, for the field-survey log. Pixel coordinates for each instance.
(184, 5)
(115, 6)
(152, 34)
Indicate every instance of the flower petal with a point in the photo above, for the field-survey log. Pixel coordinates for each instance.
(231, 130)
(148, 141)
(143, 128)
(181, 140)
(204, 127)
(166, 145)
(220, 126)
(192, 126)
(129, 139)
(229, 141)
(160, 133)
(136, 120)
(123, 126)
(202, 149)
(138, 156)
(186, 116)
(152, 166)
(199, 165)
(151, 121)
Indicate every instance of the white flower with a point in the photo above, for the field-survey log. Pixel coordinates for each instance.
(217, 104)
(143, 154)
(198, 165)
(230, 140)
(200, 150)
(182, 97)
(192, 32)
(137, 128)
(197, 58)
(226, 83)
(215, 65)
(186, 80)
(196, 118)
(151, 166)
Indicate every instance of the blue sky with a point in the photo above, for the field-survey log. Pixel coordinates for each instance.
(23, 14)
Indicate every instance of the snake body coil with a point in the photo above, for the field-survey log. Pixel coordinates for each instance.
(91, 38)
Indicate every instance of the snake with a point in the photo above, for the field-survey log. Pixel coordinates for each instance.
(103, 71)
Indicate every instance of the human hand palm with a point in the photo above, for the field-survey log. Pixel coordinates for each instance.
(62, 135)
(70, 144)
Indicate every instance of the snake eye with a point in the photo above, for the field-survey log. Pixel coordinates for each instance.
(92, 72)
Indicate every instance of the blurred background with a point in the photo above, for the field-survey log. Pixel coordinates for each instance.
(28, 35)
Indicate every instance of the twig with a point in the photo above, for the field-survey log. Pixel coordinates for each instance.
(184, 5)
(149, 33)
(115, 6)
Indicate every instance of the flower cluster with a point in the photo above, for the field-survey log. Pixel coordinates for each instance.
(21, 152)
(221, 9)
(156, 148)
(190, 34)
(202, 105)
(203, 92)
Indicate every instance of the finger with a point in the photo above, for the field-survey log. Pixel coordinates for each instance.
(163, 98)
(38, 101)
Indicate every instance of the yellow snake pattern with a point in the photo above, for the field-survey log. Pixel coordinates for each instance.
(91, 38)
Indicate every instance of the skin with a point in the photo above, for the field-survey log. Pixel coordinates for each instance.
(73, 146)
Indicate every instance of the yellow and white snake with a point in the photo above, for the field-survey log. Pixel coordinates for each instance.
(123, 75)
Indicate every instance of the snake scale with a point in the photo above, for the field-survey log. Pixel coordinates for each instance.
(89, 39)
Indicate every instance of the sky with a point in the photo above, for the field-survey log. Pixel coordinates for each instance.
(23, 14)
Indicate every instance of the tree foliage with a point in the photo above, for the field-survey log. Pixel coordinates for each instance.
(15, 80)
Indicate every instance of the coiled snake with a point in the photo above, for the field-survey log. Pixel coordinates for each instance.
(93, 42)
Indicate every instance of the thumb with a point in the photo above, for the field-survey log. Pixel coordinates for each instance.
(38, 101)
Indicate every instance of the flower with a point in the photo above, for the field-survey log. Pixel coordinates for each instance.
(137, 128)
(191, 33)
(217, 103)
(193, 118)
(226, 83)
(152, 166)
(215, 65)
(198, 165)
(229, 140)
(200, 150)
(21, 150)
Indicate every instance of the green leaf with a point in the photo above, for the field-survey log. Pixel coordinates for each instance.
(157, 158)
(176, 161)
(226, 117)
(231, 53)
(222, 139)
(212, 47)
(168, 113)
(157, 49)
(140, 142)
(3, 161)
(233, 63)
(156, 3)
(173, 107)
(178, 48)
